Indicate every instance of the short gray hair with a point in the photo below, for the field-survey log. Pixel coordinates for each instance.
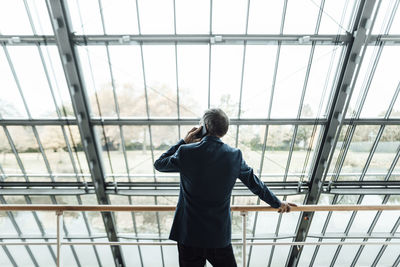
(216, 121)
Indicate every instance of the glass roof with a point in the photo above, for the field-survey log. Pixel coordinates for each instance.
(149, 69)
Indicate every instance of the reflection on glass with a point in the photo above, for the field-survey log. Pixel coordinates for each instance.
(160, 71)
(192, 79)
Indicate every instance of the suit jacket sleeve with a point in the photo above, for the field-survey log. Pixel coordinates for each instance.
(256, 186)
(170, 160)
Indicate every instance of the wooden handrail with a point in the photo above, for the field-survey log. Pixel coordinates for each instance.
(10, 207)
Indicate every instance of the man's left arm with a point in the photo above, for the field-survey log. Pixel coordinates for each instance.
(169, 161)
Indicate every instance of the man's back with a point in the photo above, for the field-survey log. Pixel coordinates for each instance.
(208, 171)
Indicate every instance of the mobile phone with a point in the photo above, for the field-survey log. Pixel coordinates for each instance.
(203, 131)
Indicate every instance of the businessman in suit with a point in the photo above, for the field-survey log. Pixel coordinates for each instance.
(208, 170)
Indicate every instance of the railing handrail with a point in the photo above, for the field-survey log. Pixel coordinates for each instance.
(131, 208)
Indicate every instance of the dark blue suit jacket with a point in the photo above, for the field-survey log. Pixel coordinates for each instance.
(208, 171)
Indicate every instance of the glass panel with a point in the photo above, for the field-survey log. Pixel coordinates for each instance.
(160, 70)
(151, 256)
(25, 220)
(192, 16)
(321, 81)
(360, 83)
(97, 79)
(85, 16)
(163, 138)
(325, 254)
(8, 163)
(127, 70)
(20, 254)
(257, 80)
(336, 16)
(390, 255)
(336, 153)
(120, 17)
(10, 99)
(33, 80)
(137, 142)
(113, 156)
(307, 253)
(13, 18)
(277, 259)
(40, 17)
(363, 219)
(360, 147)
(383, 17)
(57, 79)
(369, 253)
(260, 256)
(53, 142)
(292, 68)
(123, 220)
(74, 140)
(131, 254)
(384, 154)
(95, 220)
(158, 20)
(226, 72)
(347, 253)
(383, 85)
(308, 16)
(265, 17)
(28, 149)
(277, 151)
(251, 140)
(171, 257)
(229, 16)
(303, 151)
(193, 79)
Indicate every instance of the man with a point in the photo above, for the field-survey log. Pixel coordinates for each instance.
(208, 169)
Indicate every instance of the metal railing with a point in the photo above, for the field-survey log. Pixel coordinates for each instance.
(243, 209)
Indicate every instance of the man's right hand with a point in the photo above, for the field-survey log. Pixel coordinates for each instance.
(285, 206)
(191, 135)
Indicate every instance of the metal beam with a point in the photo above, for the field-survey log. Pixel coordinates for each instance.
(290, 39)
(80, 102)
(335, 119)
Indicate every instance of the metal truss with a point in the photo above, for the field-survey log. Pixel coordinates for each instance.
(233, 39)
(194, 121)
(384, 187)
(353, 58)
(60, 25)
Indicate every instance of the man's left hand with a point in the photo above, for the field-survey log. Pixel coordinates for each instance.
(285, 206)
(191, 135)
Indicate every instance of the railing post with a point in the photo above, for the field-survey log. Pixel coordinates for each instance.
(60, 232)
(244, 218)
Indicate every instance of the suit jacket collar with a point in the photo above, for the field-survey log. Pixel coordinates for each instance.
(212, 138)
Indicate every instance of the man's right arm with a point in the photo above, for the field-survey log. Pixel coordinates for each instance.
(256, 186)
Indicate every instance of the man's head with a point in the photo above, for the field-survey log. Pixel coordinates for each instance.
(216, 122)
